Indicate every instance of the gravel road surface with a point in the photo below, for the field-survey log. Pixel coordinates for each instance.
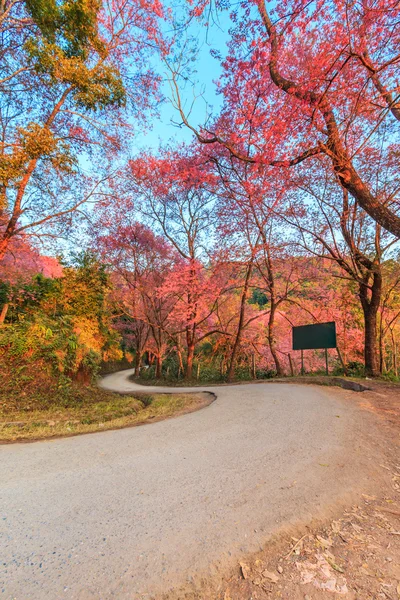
(127, 514)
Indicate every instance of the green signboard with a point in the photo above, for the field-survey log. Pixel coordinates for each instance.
(313, 337)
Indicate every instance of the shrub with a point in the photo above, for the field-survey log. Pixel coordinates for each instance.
(210, 373)
(265, 373)
(355, 369)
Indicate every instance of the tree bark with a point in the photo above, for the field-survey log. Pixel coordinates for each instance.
(394, 352)
(370, 344)
(189, 363)
(273, 304)
(222, 366)
(138, 360)
(236, 344)
(3, 313)
(272, 340)
(158, 366)
(253, 366)
(370, 297)
(381, 350)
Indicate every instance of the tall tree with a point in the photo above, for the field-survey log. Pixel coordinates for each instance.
(337, 229)
(64, 69)
(175, 195)
(311, 80)
(250, 203)
(139, 262)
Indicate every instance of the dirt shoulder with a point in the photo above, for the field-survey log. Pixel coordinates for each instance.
(381, 398)
(384, 401)
(355, 555)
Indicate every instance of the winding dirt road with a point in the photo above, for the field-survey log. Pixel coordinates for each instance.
(127, 514)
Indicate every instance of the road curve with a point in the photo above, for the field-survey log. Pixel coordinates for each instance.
(127, 514)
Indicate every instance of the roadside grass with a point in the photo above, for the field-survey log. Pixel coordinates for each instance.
(309, 378)
(84, 410)
(174, 383)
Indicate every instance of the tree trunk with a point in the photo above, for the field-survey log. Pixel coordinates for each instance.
(179, 354)
(272, 341)
(222, 366)
(3, 313)
(370, 296)
(138, 360)
(189, 364)
(180, 361)
(3, 247)
(158, 366)
(381, 348)
(253, 366)
(270, 280)
(394, 352)
(370, 344)
(232, 364)
(291, 364)
(236, 344)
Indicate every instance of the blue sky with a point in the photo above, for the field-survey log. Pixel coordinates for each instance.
(208, 69)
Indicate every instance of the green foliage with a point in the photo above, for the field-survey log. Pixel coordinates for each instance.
(71, 24)
(258, 297)
(59, 329)
(391, 377)
(210, 373)
(5, 289)
(243, 373)
(355, 369)
(25, 298)
(42, 342)
(265, 373)
(94, 87)
(37, 141)
(170, 369)
(148, 374)
(84, 287)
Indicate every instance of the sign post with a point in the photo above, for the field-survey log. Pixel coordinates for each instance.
(320, 336)
(326, 361)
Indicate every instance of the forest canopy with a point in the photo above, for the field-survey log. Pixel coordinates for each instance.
(194, 257)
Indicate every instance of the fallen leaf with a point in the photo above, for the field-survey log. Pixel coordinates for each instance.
(258, 564)
(335, 525)
(334, 565)
(271, 576)
(324, 542)
(297, 547)
(245, 570)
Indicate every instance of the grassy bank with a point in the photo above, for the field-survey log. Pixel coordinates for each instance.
(310, 378)
(85, 410)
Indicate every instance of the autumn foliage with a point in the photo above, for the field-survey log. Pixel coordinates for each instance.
(199, 258)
